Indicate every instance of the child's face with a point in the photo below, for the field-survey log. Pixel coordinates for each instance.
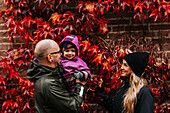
(70, 53)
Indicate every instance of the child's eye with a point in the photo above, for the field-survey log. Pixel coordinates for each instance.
(67, 50)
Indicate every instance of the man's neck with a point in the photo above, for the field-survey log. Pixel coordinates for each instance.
(47, 64)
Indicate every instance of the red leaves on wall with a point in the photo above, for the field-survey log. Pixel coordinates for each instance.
(16, 92)
(35, 20)
(137, 6)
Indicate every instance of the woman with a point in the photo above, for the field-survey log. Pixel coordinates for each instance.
(133, 95)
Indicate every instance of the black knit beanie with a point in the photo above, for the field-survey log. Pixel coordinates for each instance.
(137, 61)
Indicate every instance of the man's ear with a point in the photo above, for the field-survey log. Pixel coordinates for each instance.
(49, 57)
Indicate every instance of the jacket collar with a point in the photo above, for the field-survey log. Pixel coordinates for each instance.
(125, 79)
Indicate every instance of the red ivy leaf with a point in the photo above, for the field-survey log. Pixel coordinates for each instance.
(103, 28)
(15, 105)
(93, 51)
(80, 6)
(86, 45)
(139, 6)
(110, 60)
(155, 13)
(90, 6)
(66, 1)
(26, 106)
(55, 18)
(167, 14)
(87, 25)
(13, 74)
(98, 59)
(27, 21)
(6, 104)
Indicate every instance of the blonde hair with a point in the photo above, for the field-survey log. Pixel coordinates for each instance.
(130, 98)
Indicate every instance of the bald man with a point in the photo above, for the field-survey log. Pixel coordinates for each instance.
(51, 95)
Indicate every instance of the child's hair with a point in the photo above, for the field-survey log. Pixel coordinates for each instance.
(67, 45)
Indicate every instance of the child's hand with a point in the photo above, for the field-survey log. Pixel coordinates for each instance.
(78, 74)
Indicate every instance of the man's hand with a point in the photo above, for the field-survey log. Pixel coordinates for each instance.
(82, 82)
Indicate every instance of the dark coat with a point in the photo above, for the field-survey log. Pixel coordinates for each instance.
(51, 95)
(145, 99)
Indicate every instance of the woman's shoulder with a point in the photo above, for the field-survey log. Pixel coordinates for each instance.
(145, 91)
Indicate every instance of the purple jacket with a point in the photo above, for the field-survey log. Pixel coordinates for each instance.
(74, 64)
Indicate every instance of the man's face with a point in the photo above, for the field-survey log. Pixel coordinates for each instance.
(70, 53)
(55, 55)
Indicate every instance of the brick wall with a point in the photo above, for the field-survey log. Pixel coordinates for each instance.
(157, 32)
(4, 40)
(3, 35)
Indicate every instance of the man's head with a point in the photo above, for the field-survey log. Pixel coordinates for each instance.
(47, 53)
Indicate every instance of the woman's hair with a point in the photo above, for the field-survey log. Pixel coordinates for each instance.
(130, 98)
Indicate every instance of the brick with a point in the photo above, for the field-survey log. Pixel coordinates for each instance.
(1, 2)
(167, 40)
(129, 14)
(118, 28)
(160, 27)
(2, 21)
(112, 36)
(136, 21)
(3, 27)
(4, 40)
(15, 46)
(3, 34)
(4, 47)
(151, 20)
(18, 40)
(150, 34)
(163, 33)
(117, 22)
(109, 15)
(136, 28)
(166, 47)
(23, 73)
(161, 40)
(3, 53)
(156, 41)
(168, 54)
(2, 5)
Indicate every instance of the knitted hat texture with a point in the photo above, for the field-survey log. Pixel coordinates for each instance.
(137, 61)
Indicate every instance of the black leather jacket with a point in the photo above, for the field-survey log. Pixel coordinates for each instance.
(51, 95)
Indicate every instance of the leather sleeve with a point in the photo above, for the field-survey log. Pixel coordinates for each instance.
(59, 98)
